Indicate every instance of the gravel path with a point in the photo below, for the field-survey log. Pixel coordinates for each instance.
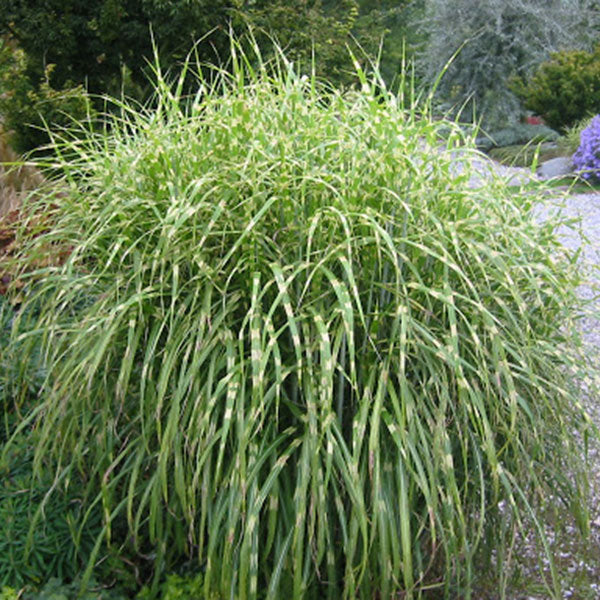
(578, 561)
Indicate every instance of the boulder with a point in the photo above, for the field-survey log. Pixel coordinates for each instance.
(555, 167)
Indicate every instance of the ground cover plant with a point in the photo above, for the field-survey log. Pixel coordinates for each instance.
(55, 589)
(292, 344)
(586, 159)
(53, 547)
(40, 533)
(524, 155)
(522, 133)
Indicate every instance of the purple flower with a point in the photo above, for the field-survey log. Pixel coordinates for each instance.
(587, 158)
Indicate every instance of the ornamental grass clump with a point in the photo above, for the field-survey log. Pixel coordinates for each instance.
(292, 341)
(587, 158)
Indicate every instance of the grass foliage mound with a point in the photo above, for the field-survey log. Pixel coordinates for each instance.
(292, 342)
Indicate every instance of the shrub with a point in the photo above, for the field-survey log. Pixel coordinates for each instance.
(56, 589)
(177, 587)
(483, 44)
(31, 108)
(93, 43)
(587, 158)
(565, 89)
(293, 343)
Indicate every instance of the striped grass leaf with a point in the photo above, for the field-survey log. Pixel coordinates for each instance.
(293, 343)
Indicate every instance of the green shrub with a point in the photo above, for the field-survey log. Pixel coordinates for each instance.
(93, 41)
(30, 108)
(177, 587)
(313, 357)
(564, 89)
(105, 45)
(55, 589)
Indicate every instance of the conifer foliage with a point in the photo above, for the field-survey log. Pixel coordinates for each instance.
(495, 40)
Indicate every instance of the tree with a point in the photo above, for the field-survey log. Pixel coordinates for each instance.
(497, 40)
(309, 32)
(393, 20)
(106, 46)
(91, 42)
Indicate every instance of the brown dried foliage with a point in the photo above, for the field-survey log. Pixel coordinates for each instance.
(17, 181)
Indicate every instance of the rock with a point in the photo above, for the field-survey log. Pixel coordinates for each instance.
(555, 167)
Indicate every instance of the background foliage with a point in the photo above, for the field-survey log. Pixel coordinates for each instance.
(564, 89)
(91, 42)
(498, 40)
(68, 47)
(520, 133)
(30, 105)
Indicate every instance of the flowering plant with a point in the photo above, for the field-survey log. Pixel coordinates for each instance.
(586, 159)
